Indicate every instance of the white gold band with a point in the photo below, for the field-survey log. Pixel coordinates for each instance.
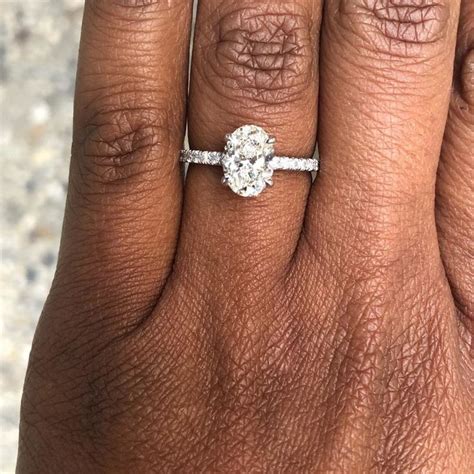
(277, 162)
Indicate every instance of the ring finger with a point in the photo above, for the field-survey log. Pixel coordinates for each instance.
(255, 62)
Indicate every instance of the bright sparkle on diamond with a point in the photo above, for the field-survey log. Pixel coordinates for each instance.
(246, 164)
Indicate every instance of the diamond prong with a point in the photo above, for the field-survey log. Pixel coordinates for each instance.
(269, 182)
(271, 140)
(224, 181)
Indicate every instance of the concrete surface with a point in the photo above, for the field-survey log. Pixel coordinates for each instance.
(38, 50)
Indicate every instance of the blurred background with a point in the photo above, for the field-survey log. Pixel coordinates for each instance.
(38, 52)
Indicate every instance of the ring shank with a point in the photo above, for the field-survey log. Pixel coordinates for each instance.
(284, 163)
(201, 157)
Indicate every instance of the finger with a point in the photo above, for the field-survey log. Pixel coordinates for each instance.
(123, 206)
(455, 185)
(254, 62)
(385, 81)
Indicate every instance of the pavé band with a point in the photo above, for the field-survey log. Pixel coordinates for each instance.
(285, 163)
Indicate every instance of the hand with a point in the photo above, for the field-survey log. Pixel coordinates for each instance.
(316, 328)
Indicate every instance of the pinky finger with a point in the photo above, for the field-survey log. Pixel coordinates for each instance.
(124, 199)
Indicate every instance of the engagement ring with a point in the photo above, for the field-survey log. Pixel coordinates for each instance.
(248, 160)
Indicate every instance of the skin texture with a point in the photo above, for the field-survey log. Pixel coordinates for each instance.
(321, 327)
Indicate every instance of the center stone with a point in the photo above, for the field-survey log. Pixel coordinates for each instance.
(246, 164)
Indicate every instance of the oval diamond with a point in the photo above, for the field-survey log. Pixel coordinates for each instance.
(246, 164)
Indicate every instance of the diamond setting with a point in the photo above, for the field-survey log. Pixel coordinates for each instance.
(247, 161)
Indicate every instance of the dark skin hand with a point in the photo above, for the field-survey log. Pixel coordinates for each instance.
(321, 327)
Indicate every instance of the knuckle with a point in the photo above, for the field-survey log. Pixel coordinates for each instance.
(122, 146)
(261, 53)
(396, 25)
(137, 3)
(126, 9)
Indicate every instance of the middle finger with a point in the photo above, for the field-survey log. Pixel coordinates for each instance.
(386, 69)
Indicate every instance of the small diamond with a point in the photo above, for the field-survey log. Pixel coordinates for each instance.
(246, 164)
